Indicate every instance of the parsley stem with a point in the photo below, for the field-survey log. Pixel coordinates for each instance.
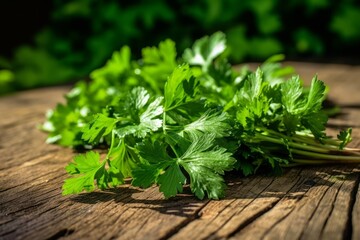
(111, 144)
(164, 122)
(313, 151)
(308, 139)
(330, 157)
(261, 137)
(174, 150)
(317, 161)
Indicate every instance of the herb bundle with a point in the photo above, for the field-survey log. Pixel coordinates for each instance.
(171, 121)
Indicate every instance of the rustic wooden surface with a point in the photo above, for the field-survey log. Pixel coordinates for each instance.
(305, 203)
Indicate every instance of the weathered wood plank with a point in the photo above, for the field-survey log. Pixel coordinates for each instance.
(305, 203)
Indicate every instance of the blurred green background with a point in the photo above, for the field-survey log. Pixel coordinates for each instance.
(52, 42)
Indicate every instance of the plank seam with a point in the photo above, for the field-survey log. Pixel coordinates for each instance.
(293, 208)
(348, 232)
(184, 223)
(331, 211)
(313, 213)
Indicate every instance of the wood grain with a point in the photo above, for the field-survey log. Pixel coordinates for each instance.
(305, 203)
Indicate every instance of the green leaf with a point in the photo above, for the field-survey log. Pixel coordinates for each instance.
(205, 163)
(164, 56)
(316, 123)
(147, 118)
(116, 176)
(78, 184)
(117, 65)
(160, 169)
(145, 175)
(153, 152)
(123, 160)
(174, 92)
(156, 159)
(291, 91)
(86, 167)
(100, 126)
(144, 115)
(210, 122)
(253, 86)
(246, 168)
(171, 181)
(136, 100)
(345, 137)
(158, 64)
(205, 50)
(316, 95)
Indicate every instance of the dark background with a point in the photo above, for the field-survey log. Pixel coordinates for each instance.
(20, 21)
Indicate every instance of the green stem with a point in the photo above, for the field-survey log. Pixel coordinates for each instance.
(293, 144)
(313, 148)
(111, 145)
(329, 157)
(330, 143)
(164, 122)
(302, 138)
(299, 162)
(176, 154)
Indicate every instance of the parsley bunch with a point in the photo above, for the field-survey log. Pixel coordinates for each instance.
(172, 121)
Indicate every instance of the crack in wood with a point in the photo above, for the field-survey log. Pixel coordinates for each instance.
(62, 233)
(348, 232)
(314, 212)
(185, 222)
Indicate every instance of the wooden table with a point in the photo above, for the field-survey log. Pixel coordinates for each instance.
(305, 203)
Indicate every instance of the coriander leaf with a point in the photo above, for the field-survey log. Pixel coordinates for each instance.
(201, 160)
(205, 50)
(204, 181)
(145, 175)
(246, 167)
(316, 123)
(203, 152)
(253, 86)
(153, 110)
(210, 122)
(76, 185)
(291, 122)
(160, 168)
(100, 126)
(158, 64)
(291, 91)
(345, 137)
(316, 96)
(87, 166)
(116, 176)
(163, 56)
(171, 181)
(155, 160)
(174, 91)
(136, 100)
(84, 163)
(64, 125)
(117, 65)
(251, 102)
(153, 152)
(146, 122)
(204, 164)
(123, 160)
